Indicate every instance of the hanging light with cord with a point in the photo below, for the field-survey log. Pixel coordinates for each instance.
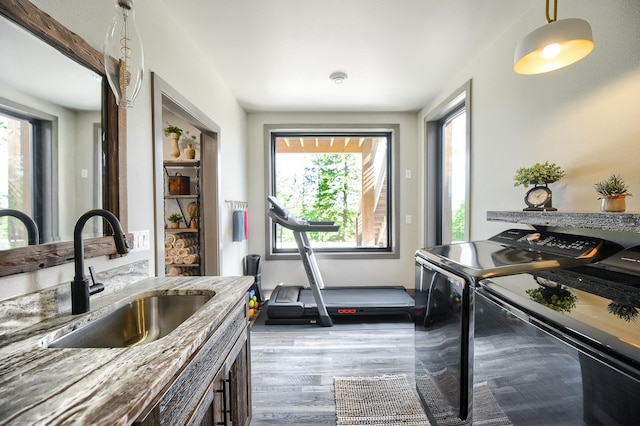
(123, 55)
(553, 46)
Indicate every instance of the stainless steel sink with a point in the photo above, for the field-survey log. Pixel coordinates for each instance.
(144, 320)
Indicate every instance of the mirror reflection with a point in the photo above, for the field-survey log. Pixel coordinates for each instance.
(51, 157)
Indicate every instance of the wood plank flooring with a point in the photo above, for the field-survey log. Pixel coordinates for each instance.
(292, 367)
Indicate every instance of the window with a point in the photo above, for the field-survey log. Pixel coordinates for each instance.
(15, 190)
(25, 175)
(341, 176)
(453, 176)
(448, 134)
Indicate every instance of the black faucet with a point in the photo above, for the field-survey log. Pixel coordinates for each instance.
(32, 228)
(80, 290)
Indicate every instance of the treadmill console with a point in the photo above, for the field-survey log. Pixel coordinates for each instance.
(550, 242)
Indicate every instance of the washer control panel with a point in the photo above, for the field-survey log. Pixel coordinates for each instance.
(550, 242)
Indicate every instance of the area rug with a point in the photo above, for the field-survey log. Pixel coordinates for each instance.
(377, 401)
(438, 388)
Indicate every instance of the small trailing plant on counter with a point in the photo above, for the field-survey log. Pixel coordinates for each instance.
(612, 187)
(538, 174)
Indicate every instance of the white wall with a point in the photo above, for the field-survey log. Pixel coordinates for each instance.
(335, 271)
(169, 53)
(585, 118)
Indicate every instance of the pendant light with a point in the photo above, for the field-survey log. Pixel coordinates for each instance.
(123, 55)
(553, 46)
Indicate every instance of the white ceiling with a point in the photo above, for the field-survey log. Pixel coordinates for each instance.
(277, 55)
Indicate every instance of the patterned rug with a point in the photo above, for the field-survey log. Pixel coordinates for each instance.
(377, 401)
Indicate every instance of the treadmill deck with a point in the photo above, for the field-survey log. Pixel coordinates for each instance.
(359, 297)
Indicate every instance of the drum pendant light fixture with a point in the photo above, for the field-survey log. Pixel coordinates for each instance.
(123, 55)
(553, 46)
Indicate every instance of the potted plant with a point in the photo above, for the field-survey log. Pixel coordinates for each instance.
(557, 298)
(172, 129)
(174, 133)
(538, 174)
(627, 313)
(612, 194)
(175, 219)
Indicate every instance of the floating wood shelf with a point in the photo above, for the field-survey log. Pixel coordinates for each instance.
(179, 230)
(181, 163)
(620, 222)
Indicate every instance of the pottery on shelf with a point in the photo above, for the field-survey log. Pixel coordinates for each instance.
(175, 148)
(189, 152)
(613, 203)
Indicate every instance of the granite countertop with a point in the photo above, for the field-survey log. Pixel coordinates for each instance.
(105, 386)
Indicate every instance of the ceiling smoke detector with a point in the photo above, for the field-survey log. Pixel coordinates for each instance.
(338, 77)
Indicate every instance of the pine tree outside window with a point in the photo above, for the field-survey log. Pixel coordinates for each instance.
(339, 176)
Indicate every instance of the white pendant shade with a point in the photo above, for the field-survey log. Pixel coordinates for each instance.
(553, 46)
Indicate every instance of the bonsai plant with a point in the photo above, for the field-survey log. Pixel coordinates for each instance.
(538, 174)
(175, 219)
(612, 193)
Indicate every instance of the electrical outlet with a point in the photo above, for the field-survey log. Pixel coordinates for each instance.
(140, 241)
(407, 219)
(407, 174)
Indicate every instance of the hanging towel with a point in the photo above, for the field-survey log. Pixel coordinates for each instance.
(246, 224)
(238, 225)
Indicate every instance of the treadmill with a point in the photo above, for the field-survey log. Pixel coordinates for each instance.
(308, 305)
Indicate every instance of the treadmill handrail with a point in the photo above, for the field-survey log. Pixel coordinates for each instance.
(281, 215)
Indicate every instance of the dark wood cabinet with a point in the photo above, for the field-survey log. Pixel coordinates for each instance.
(214, 387)
(239, 391)
(227, 400)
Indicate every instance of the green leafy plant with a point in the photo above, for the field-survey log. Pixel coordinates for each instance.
(174, 217)
(172, 129)
(557, 298)
(612, 187)
(539, 174)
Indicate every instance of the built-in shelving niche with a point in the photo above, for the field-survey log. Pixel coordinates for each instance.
(170, 106)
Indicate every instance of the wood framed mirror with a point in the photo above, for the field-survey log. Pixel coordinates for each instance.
(113, 137)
